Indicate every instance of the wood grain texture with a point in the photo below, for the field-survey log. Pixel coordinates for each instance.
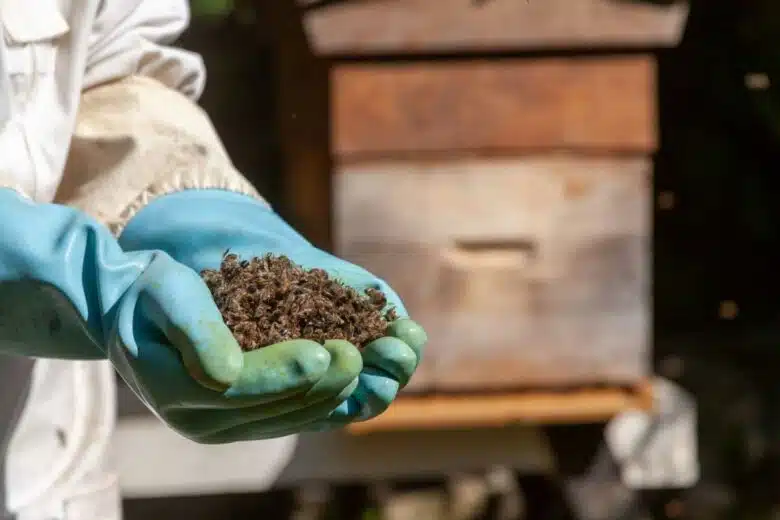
(486, 411)
(525, 272)
(503, 106)
(425, 26)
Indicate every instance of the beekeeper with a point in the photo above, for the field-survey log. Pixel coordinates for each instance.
(114, 192)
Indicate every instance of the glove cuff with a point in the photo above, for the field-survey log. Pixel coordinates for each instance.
(193, 222)
(61, 275)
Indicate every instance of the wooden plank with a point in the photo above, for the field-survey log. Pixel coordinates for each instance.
(486, 411)
(425, 26)
(525, 272)
(511, 106)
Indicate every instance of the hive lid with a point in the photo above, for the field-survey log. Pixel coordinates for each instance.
(397, 27)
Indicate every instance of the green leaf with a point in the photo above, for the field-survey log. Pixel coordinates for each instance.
(211, 8)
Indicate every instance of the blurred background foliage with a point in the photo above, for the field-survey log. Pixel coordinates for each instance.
(210, 8)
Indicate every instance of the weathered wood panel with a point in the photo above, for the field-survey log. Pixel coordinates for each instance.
(525, 272)
(590, 104)
(430, 26)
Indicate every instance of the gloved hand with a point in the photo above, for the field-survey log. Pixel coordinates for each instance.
(196, 227)
(67, 290)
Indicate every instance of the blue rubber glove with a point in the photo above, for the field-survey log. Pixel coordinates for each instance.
(196, 227)
(67, 290)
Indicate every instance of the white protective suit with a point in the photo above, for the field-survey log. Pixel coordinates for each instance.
(96, 112)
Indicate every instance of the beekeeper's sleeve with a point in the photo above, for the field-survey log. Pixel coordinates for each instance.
(139, 133)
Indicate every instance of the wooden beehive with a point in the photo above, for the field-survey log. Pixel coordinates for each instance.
(505, 197)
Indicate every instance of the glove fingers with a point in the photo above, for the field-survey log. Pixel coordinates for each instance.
(388, 365)
(280, 370)
(391, 356)
(290, 424)
(345, 366)
(184, 310)
(345, 413)
(275, 381)
(158, 373)
(411, 333)
(338, 382)
(376, 390)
